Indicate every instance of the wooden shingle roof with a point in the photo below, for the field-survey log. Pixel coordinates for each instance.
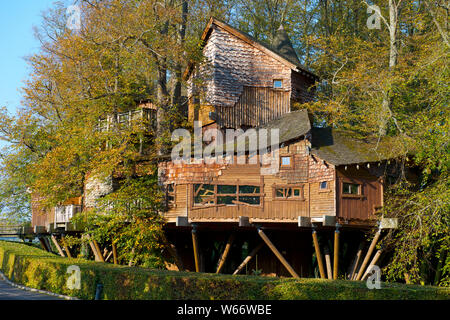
(340, 147)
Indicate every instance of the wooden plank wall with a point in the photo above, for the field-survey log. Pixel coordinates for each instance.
(359, 207)
(256, 106)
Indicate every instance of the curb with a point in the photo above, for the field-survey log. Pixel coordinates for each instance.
(2, 275)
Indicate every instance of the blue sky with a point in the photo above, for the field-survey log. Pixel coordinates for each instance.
(17, 18)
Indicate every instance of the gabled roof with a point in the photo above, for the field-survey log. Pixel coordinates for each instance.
(283, 46)
(279, 50)
(340, 147)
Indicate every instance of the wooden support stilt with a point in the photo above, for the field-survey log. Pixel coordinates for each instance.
(109, 256)
(195, 247)
(318, 254)
(114, 250)
(368, 255)
(99, 252)
(173, 252)
(374, 261)
(43, 244)
(248, 258)
(66, 248)
(355, 263)
(225, 253)
(328, 263)
(277, 253)
(336, 253)
(47, 242)
(94, 250)
(130, 263)
(58, 247)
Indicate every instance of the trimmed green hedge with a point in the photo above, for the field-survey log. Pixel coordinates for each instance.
(36, 268)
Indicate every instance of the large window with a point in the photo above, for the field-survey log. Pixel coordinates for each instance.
(222, 194)
(288, 193)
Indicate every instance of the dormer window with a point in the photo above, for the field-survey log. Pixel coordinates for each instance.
(278, 84)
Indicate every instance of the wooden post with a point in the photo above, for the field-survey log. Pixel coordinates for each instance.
(328, 263)
(43, 244)
(336, 253)
(99, 252)
(195, 247)
(277, 253)
(248, 258)
(225, 253)
(94, 250)
(114, 250)
(356, 261)
(372, 263)
(368, 255)
(58, 247)
(66, 248)
(318, 254)
(173, 252)
(109, 256)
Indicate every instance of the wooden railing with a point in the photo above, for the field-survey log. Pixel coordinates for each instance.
(64, 214)
(256, 106)
(144, 117)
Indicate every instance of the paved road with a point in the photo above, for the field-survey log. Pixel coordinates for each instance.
(8, 292)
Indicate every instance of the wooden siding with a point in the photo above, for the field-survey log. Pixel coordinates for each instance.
(256, 106)
(363, 205)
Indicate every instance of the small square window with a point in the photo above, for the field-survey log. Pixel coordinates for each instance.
(324, 185)
(285, 161)
(277, 84)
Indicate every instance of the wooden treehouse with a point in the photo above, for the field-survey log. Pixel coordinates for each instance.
(235, 216)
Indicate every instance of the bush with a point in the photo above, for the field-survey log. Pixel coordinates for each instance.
(36, 268)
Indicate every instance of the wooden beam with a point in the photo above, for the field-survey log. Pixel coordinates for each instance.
(248, 258)
(173, 252)
(374, 261)
(114, 250)
(109, 256)
(336, 254)
(58, 247)
(94, 250)
(225, 253)
(328, 263)
(195, 248)
(355, 264)
(318, 254)
(66, 248)
(368, 255)
(277, 253)
(99, 252)
(43, 244)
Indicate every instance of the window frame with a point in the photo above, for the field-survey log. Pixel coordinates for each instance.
(275, 81)
(291, 161)
(216, 195)
(359, 195)
(170, 204)
(292, 197)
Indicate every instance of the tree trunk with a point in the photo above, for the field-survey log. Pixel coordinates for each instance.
(386, 112)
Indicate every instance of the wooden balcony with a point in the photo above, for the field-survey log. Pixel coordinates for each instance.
(144, 118)
(63, 214)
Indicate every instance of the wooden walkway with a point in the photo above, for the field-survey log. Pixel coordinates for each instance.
(14, 230)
